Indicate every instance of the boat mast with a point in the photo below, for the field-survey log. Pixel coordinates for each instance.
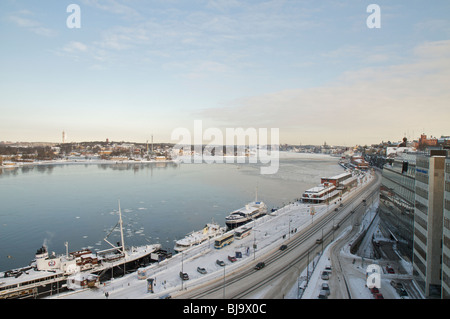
(121, 229)
(120, 223)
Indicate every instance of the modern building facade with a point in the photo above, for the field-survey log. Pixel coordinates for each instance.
(428, 222)
(415, 209)
(446, 234)
(397, 195)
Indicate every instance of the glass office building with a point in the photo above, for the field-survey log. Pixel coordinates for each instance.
(397, 198)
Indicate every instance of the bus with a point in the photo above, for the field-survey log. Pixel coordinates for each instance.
(241, 233)
(223, 241)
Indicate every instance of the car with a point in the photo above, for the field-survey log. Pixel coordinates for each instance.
(336, 209)
(260, 265)
(378, 296)
(374, 290)
(283, 247)
(402, 292)
(328, 268)
(323, 294)
(324, 275)
(220, 262)
(184, 275)
(318, 240)
(201, 270)
(390, 270)
(232, 259)
(326, 288)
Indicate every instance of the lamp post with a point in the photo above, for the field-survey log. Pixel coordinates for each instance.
(224, 282)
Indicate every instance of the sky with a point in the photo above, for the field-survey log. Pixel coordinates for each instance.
(312, 69)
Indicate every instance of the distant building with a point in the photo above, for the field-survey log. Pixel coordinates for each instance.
(329, 188)
(335, 180)
(320, 194)
(424, 141)
(359, 163)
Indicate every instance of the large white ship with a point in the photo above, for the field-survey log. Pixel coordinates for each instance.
(246, 214)
(197, 237)
(50, 274)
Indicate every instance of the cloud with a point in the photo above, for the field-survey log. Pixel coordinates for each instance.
(115, 7)
(24, 19)
(376, 102)
(75, 46)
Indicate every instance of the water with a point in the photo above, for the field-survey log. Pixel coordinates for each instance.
(160, 202)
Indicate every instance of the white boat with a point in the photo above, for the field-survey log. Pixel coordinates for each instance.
(246, 214)
(50, 274)
(197, 237)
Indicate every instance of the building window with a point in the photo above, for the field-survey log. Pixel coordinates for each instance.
(447, 186)
(421, 177)
(421, 192)
(419, 220)
(447, 204)
(419, 264)
(447, 223)
(423, 239)
(447, 244)
(422, 162)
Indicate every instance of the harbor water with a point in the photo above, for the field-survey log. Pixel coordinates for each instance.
(160, 202)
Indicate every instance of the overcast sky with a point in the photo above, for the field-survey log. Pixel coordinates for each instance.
(313, 69)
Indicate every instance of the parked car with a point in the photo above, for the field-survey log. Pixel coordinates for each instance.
(184, 276)
(326, 288)
(201, 270)
(323, 294)
(283, 247)
(324, 275)
(328, 268)
(318, 240)
(378, 296)
(390, 270)
(220, 262)
(232, 259)
(260, 265)
(374, 290)
(402, 292)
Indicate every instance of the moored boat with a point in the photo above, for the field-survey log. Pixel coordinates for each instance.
(197, 237)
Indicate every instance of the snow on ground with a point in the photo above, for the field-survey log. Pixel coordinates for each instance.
(355, 271)
(267, 232)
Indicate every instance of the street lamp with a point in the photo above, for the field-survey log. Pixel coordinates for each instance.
(224, 282)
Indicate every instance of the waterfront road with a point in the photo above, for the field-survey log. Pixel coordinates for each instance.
(282, 267)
